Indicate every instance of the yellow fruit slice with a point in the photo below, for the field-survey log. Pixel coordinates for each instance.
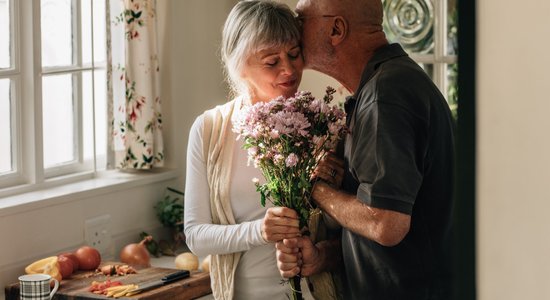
(48, 265)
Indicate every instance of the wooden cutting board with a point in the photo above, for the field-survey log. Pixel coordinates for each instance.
(76, 287)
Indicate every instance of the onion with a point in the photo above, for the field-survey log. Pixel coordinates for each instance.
(187, 261)
(136, 254)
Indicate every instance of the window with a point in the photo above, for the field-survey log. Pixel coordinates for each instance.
(427, 30)
(53, 100)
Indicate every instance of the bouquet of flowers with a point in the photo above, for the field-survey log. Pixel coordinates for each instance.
(286, 138)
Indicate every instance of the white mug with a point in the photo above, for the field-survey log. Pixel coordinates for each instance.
(36, 287)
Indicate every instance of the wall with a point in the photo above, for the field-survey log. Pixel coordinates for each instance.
(513, 248)
(192, 75)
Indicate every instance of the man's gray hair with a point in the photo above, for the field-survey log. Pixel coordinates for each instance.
(252, 26)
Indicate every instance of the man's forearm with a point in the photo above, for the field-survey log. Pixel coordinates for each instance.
(386, 227)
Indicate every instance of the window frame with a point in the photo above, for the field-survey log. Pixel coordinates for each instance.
(26, 74)
(13, 74)
(439, 59)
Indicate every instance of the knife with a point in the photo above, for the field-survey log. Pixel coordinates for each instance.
(164, 280)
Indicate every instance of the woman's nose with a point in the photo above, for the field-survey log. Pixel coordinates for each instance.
(287, 67)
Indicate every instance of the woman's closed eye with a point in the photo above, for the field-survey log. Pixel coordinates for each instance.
(294, 54)
(271, 62)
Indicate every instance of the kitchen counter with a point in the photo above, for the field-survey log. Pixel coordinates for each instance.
(76, 288)
(168, 262)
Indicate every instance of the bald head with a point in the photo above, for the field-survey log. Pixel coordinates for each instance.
(369, 12)
(340, 36)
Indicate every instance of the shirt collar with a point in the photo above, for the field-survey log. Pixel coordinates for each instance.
(380, 56)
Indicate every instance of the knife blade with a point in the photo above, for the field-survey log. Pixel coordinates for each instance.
(164, 280)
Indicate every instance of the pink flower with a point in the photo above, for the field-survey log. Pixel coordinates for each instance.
(291, 160)
(285, 138)
(274, 134)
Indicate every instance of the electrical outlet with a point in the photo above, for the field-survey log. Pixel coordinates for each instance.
(97, 233)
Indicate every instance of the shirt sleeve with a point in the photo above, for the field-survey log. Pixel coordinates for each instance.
(203, 237)
(390, 169)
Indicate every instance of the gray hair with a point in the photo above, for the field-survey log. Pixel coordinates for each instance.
(254, 25)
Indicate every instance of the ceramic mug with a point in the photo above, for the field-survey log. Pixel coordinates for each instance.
(36, 287)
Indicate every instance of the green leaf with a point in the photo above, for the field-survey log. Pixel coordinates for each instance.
(147, 159)
(262, 198)
(136, 15)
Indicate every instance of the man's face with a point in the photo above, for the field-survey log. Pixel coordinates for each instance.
(315, 26)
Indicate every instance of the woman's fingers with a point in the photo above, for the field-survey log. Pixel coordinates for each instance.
(280, 223)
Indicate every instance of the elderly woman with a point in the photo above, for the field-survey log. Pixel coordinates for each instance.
(223, 216)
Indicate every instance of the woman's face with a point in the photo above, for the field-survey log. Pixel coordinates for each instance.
(272, 72)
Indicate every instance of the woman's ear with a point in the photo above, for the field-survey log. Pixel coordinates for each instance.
(339, 30)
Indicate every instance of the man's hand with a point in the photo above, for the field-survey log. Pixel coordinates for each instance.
(280, 223)
(330, 169)
(297, 256)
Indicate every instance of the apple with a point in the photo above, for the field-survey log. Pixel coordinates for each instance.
(73, 258)
(65, 266)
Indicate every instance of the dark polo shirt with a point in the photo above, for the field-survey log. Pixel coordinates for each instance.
(400, 157)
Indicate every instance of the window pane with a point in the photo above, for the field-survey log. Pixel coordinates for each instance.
(86, 13)
(99, 31)
(87, 116)
(5, 42)
(58, 120)
(410, 23)
(100, 50)
(57, 43)
(452, 19)
(452, 87)
(100, 115)
(5, 127)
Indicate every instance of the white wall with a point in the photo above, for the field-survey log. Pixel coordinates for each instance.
(513, 146)
(192, 78)
(192, 75)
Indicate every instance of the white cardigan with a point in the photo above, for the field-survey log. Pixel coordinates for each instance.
(256, 275)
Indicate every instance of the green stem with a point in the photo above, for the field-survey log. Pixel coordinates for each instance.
(296, 288)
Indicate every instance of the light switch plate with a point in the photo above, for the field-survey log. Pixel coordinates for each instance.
(97, 233)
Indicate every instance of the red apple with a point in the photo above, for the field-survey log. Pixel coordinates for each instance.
(65, 266)
(73, 258)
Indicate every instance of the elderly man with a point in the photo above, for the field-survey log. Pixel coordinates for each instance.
(395, 201)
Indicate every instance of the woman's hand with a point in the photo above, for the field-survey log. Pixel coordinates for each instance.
(280, 223)
(331, 170)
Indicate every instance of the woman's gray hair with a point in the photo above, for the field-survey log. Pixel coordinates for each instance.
(252, 26)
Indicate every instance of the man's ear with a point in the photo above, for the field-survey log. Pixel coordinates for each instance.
(339, 31)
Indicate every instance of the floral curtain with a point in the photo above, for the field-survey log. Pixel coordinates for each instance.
(133, 72)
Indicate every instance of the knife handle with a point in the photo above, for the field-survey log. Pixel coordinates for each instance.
(175, 276)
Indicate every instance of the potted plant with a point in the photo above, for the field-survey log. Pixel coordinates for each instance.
(169, 211)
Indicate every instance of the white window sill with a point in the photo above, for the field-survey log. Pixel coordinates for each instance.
(103, 182)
